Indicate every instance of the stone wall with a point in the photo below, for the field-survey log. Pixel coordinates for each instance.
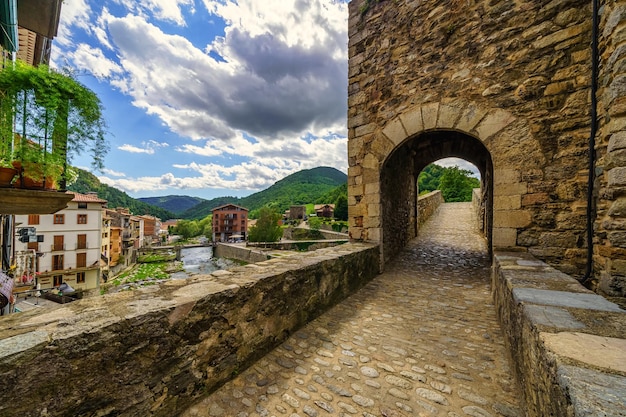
(508, 80)
(427, 204)
(153, 351)
(568, 344)
(610, 227)
(241, 253)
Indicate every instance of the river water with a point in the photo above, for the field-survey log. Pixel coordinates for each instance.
(201, 261)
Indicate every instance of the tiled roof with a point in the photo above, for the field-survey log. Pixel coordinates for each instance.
(86, 198)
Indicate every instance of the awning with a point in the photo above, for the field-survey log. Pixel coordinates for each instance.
(8, 25)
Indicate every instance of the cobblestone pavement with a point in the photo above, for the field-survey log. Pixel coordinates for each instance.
(421, 339)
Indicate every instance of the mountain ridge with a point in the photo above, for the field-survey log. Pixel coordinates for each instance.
(313, 185)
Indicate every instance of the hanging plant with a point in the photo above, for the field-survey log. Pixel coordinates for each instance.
(47, 117)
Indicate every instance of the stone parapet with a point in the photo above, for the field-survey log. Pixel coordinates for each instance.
(567, 343)
(427, 204)
(153, 351)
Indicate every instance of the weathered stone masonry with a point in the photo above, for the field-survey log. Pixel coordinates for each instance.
(506, 85)
(153, 351)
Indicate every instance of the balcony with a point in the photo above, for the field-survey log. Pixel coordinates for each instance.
(57, 247)
(22, 201)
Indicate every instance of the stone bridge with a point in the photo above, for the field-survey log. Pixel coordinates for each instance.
(531, 93)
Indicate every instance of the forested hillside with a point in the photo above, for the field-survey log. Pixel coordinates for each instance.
(87, 182)
(303, 187)
(177, 204)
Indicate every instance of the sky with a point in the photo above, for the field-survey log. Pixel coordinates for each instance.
(211, 98)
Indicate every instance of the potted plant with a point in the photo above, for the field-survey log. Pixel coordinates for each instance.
(46, 117)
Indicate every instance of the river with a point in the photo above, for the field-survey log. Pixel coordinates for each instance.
(201, 261)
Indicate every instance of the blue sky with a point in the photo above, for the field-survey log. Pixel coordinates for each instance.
(211, 97)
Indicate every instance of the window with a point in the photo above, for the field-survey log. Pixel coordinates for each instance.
(82, 219)
(57, 262)
(80, 278)
(33, 219)
(58, 243)
(81, 242)
(57, 280)
(82, 205)
(81, 260)
(59, 219)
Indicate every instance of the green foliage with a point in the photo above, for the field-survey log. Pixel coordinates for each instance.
(456, 185)
(187, 228)
(341, 208)
(315, 223)
(266, 228)
(87, 182)
(429, 178)
(334, 194)
(52, 110)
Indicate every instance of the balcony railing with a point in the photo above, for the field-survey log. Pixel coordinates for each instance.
(57, 247)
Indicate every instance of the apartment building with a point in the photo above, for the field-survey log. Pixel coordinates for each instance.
(67, 244)
(230, 222)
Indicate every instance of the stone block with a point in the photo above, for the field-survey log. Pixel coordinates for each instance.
(560, 36)
(564, 299)
(504, 237)
(506, 176)
(370, 161)
(511, 218)
(381, 147)
(493, 123)
(412, 121)
(395, 131)
(534, 199)
(617, 141)
(507, 202)
(598, 351)
(373, 209)
(372, 198)
(552, 317)
(617, 176)
(354, 190)
(519, 188)
(364, 129)
(472, 114)
(448, 116)
(429, 115)
(355, 147)
(372, 188)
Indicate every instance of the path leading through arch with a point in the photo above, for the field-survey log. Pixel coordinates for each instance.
(421, 339)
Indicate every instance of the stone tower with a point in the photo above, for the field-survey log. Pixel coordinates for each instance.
(506, 85)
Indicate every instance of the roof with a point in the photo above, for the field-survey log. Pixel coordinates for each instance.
(86, 198)
(321, 206)
(229, 205)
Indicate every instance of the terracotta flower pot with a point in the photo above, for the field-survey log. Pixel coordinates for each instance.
(6, 176)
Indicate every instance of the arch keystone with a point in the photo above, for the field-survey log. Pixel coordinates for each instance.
(429, 115)
(448, 116)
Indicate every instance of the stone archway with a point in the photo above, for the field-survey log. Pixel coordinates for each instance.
(500, 144)
(399, 174)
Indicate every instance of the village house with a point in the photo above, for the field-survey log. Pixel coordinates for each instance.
(230, 223)
(64, 246)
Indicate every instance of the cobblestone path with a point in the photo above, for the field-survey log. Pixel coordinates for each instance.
(421, 339)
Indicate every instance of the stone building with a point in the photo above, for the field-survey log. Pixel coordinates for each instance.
(507, 86)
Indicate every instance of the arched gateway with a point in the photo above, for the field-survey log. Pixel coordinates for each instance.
(383, 198)
(508, 86)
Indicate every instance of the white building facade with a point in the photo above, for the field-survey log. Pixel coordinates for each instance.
(67, 243)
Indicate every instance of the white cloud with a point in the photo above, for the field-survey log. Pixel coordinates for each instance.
(275, 98)
(148, 147)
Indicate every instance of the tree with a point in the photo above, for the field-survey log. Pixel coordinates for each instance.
(266, 228)
(456, 184)
(187, 228)
(341, 208)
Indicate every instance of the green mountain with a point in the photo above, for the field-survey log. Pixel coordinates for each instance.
(177, 204)
(87, 182)
(303, 187)
(317, 185)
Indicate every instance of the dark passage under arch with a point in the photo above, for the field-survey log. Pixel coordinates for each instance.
(398, 180)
